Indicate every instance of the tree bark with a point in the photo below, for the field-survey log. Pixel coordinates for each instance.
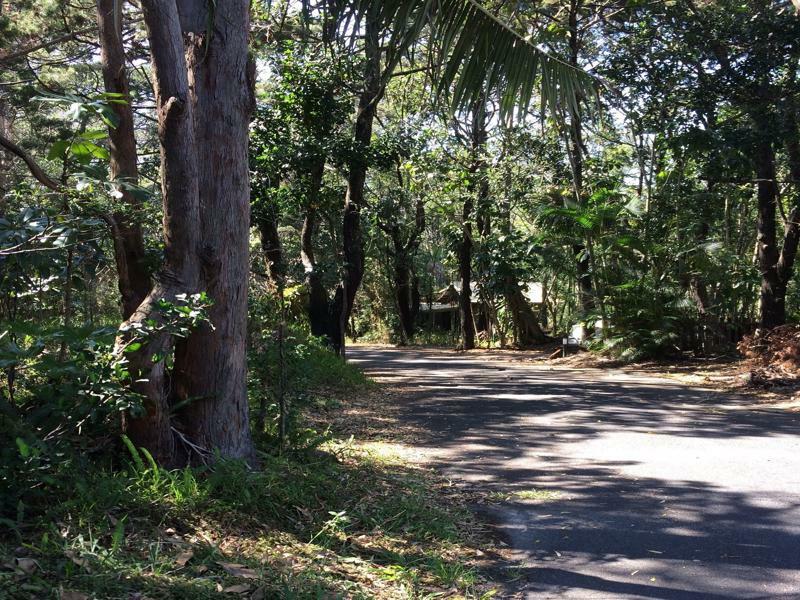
(133, 278)
(773, 289)
(179, 188)
(352, 237)
(210, 377)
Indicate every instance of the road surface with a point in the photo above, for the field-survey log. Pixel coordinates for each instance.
(619, 486)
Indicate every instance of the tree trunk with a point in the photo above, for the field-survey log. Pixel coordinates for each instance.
(465, 274)
(576, 152)
(133, 278)
(526, 323)
(352, 237)
(211, 365)
(477, 192)
(404, 281)
(179, 188)
(416, 298)
(773, 290)
(267, 224)
(319, 309)
(403, 296)
(791, 236)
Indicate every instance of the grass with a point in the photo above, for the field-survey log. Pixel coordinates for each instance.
(538, 495)
(345, 520)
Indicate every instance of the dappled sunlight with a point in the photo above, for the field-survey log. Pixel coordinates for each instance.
(653, 490)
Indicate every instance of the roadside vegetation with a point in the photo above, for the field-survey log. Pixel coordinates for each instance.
(328, 516)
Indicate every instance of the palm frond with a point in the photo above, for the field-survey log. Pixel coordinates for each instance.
(481, 53)
(476, 53)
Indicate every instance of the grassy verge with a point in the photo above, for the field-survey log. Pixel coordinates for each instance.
(341, 520)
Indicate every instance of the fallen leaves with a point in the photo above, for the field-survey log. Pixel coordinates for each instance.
(184, 557)
(78, 559)
(238, 570)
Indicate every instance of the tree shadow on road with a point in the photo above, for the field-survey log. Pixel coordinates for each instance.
(615, 528)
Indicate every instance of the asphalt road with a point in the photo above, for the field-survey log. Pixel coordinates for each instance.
(622, 486)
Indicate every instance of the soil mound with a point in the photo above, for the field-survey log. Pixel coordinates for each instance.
(774, 355)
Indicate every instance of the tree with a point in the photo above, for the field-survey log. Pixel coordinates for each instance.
(745, 58)
(479, 51)
(204, 94)
(132, 274)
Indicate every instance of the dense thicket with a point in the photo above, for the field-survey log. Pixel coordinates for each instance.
(233, 181)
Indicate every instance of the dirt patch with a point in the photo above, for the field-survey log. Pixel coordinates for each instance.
(774, 357)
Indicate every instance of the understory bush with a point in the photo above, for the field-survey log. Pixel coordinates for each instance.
(645, 322)
(65, 392)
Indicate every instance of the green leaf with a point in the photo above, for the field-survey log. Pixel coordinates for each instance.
(118, 535)
(24, 449)
(58, 150)
(85, 150)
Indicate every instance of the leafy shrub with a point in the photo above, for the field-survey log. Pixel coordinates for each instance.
(646, 321)
(65, 392)
(297, 368)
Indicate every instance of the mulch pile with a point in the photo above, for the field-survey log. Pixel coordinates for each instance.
(773, 355)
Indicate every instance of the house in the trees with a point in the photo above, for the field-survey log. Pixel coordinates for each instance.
(441, 312)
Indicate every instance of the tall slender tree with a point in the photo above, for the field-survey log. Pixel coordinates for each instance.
(126, 232)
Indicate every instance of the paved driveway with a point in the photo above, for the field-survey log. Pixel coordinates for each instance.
(621, 486)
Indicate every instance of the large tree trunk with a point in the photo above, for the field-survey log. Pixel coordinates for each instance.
(211, 365)
(204, 98)
(133, 278)
(773, 290)
(179, 188)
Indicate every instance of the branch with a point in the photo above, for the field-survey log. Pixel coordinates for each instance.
(33, 166)
(12, 56)
(419, 70)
